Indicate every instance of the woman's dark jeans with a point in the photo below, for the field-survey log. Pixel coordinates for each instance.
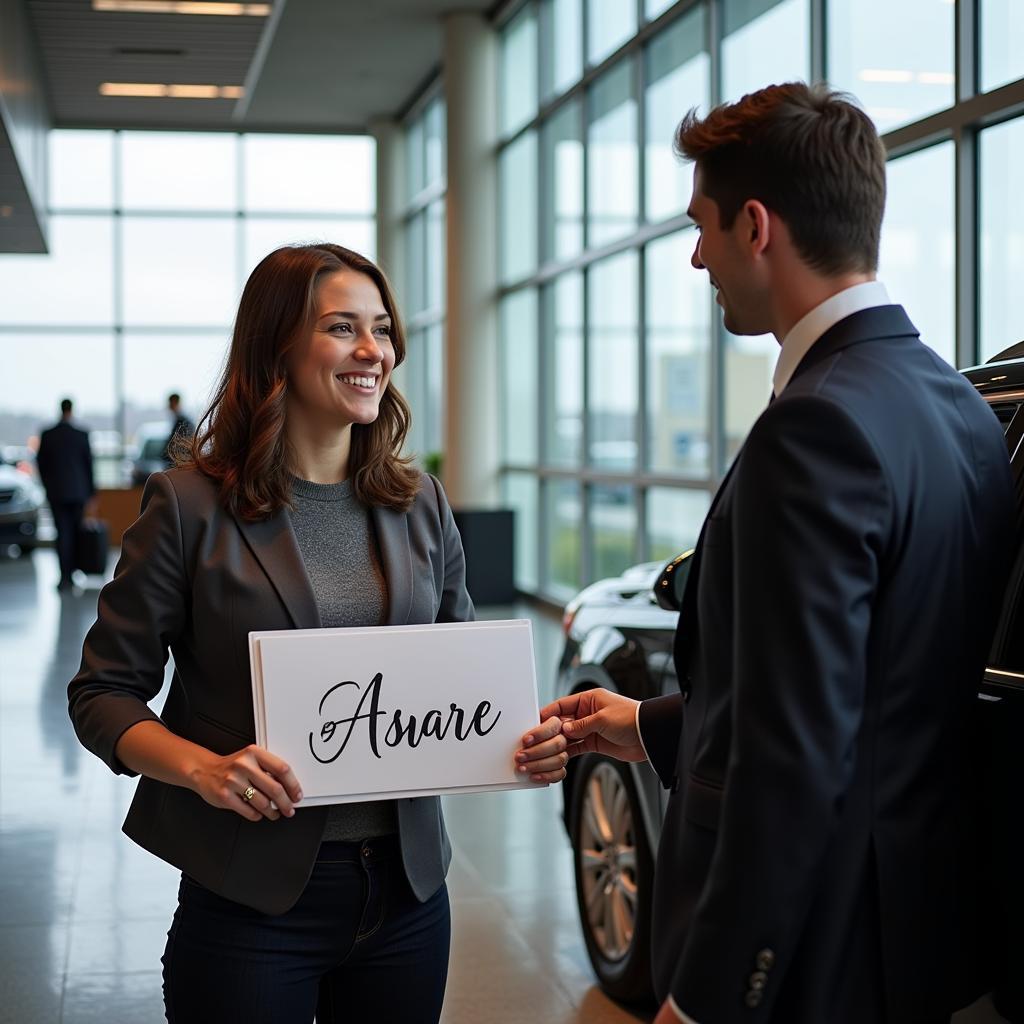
(358, 946)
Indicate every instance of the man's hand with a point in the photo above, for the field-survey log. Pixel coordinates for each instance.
(598, 722)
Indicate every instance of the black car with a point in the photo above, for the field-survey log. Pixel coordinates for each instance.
(20, 501)
(619, 635)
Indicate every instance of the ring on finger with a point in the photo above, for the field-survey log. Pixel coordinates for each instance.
(249, 793)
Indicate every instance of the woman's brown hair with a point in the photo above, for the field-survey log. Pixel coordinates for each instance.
(241, 442)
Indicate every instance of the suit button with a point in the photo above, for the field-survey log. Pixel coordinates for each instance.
(686, 695)
(765, 960)
(674, 788)
(754, 998)
(757, 980)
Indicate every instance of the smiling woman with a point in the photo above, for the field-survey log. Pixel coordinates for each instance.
(312, 319)
(291, 508)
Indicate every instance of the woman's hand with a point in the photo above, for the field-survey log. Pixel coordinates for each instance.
(543, 755)
(226, 781)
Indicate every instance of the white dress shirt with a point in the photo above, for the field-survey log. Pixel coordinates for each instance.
(797, 343)
(809, 328)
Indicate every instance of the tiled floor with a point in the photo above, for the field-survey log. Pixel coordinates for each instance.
(83, 912)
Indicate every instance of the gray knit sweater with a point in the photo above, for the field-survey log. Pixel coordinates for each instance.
(338, 545)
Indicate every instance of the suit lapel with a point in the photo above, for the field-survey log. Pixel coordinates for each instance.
(392, 530)
(273, 544)
(688, 606)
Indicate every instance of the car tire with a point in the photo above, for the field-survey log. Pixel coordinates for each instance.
(614, 876)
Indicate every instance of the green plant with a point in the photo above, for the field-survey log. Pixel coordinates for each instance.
(433, 463)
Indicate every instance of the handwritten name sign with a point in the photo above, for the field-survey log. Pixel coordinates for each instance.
(396, 711)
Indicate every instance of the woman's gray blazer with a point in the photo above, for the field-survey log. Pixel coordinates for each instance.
(195, 580)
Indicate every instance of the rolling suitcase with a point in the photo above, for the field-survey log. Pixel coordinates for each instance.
(93, 544)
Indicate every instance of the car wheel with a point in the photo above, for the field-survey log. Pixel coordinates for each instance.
(614, 876)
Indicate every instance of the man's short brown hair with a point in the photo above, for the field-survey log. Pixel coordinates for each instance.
(809, 155)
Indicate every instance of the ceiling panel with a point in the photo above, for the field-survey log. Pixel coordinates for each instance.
(324, 65)
(81, 48)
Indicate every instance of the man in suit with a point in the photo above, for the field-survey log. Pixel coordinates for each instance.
(65, 468)
(181, 427)
(814, 866)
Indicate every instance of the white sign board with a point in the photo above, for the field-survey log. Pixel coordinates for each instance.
(396, 711)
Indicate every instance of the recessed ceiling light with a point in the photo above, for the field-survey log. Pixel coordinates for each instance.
(181, 7)
(176, 91)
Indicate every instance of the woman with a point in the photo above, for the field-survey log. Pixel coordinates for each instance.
(291, 508)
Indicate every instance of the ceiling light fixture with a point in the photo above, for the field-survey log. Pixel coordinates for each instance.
(222, 10)
(175, 92)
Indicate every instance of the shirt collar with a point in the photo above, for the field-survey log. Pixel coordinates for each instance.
(806, 331)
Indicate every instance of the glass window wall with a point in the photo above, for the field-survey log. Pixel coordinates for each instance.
(900, 74)
(678, 338)
(678, 79)
(517, 174)
(421, 285)
(563, 514)
(563, 370)
(765, 41)
(1001, 254)
(519, 376)
(612, 157)
(674, 519)
(518, 94)
(562, 28)
(643, 398)
(609, 24)
(150, 243)
(1001, 30)
(612, 391)
(562, 172)
(916, 261)
(613, 519)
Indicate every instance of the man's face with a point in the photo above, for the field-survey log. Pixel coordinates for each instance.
(728, 262)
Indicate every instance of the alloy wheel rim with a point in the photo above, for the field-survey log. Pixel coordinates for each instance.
(608, 862)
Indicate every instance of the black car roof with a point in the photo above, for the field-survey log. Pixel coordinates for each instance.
(1003, 372)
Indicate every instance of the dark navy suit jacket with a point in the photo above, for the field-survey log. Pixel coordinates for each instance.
(65, 464)
(814, 866)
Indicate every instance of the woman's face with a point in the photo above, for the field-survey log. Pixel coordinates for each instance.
(338, 371)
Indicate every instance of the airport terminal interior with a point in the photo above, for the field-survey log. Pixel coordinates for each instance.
(509, 165)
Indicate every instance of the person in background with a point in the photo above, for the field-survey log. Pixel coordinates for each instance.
(182, 430)
(64, 461)
(816, 858)
(294, 509)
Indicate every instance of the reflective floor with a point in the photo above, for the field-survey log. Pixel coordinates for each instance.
(84, 912)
